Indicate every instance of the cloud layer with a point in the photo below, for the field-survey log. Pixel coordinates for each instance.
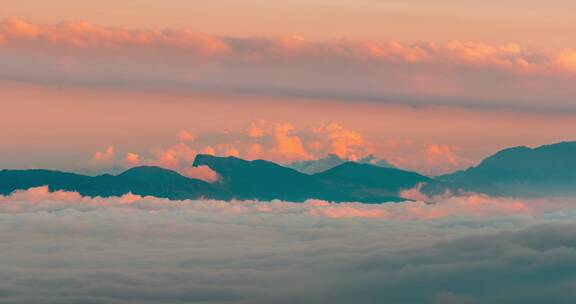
(454, 73)
(322, 146)
(276, 141)
(60, 247)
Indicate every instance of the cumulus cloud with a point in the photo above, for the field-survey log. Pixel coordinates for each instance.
(132, 159)
(63, 248)
(178, 157)
(204, 173)
(452, 73)
(342, 142)
(283, 142)
(310, 149)
(271, 140)
(285, 145)
(426, 157)
(103, 159)
(186, 135)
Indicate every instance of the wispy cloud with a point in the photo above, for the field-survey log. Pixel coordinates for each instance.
(457, 73)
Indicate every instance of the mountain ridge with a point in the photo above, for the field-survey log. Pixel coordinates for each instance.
(517, 171)
(522, 171)
(239, 180)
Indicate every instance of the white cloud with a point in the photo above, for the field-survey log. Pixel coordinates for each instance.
(63, 248)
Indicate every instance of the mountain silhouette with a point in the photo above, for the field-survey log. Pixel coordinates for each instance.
(368, 182)
(153, 181)
(331, 161)
(239, 179)
(260, 179)
(265, 180)
(522, 171)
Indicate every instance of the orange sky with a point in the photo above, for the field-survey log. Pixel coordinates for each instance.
(429, 86)
(531, 22)
(47, 126)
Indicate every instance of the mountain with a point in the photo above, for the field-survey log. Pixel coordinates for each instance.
(152, 181)
(331, 161)
(368, 182)
(366, 175)
(522, 171)
(260, 179)
(239, 179)
(11, 180)
(346, 182)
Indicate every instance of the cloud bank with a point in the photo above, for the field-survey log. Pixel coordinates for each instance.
(64, 248)
(311, 149)
(276, 141)
(429, 73)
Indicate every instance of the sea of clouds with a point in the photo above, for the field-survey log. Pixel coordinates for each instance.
(61, 247)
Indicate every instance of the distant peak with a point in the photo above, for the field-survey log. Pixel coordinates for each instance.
(148, 171)
(211, 160)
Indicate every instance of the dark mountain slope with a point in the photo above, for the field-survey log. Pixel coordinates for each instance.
(239, 179)
(141, 180)
(11, 180)
(332, 161)
(369, 182)
(348, 182)
(260, 179)
(522, 171)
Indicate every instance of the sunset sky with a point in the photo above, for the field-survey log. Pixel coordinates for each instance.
(384, 124)
(432, 86)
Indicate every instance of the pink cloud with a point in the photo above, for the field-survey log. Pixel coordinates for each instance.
(83, 36)
(288, 146)
(180, 158)
(186, 136)
(254, 151)
(277, 141)
(284, 143)
(567, 60)
(435, 151)
(208, 150)
(345, 143)
(132, 159)
(103, 159)
(425, 157)
(472, 205)
(414, 194)
(204, 173)
(455, 72)
(176, 156)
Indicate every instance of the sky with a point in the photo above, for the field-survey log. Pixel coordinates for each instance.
(533, 22)
(429, 86)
